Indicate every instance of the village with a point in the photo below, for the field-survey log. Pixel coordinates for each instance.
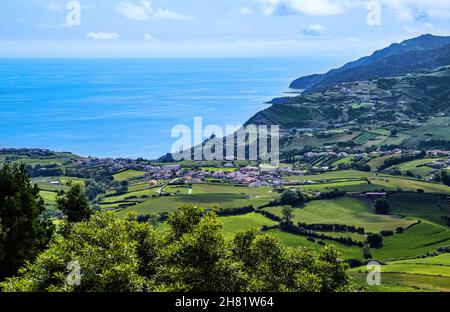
(260, 174)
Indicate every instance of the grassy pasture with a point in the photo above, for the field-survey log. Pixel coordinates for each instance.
(376, 162)
(423, 274)
(203, 195)
(251, 221)
(418, 240)
(365, 138)
(409, 184)
(347, 211)
(49, 199)
(333, 175)
(435, 128)
(74, 181)
(402, 282)
(417, 167)
(138, 187)
(353, 186)
(128, 174)
(379, 182)
(416, 203)
(343, 161)
(297, 241)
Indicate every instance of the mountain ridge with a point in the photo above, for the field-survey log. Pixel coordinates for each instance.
(413, 51)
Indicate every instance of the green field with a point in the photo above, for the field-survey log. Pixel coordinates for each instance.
(408, 184)
(423, 206)
(343, 161)
(353, 181)
(347, 211)
(419, 240)
(422, 274)
(376, 162)
(333, 175)
(56, 159)
(365, 138)
(416, 167)
(128, 174)
(296, 241)
(74, 181)
(401, 282)
(251, 221)
(204, 195)
(49, 199)
(351, 186)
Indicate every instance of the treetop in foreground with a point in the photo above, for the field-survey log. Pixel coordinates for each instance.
(123, 255)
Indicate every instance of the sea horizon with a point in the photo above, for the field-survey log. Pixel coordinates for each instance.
(126, 107)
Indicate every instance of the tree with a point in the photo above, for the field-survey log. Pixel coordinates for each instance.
(375, 240)
(445, 178)
(23, 233)
(288, 213)
(382, 206)
(292, 197)
(74, 204)
(116, 254)
(94, 189)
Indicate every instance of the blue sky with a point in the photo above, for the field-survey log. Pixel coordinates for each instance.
(214, 28)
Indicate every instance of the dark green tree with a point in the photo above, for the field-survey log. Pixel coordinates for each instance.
(288, 213)
(122, 254)
(445, 178)
(292, 197)
(382, 206)
(74, 204)
(23, 233)
(375, 240)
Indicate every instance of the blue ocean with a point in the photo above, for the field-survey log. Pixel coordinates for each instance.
(127, 108)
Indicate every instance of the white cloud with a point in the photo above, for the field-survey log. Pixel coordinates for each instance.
(406, 10)
(307, 7)
(143, 11)
(417, 9)
(167, 14)
(313, 30)
(149, 38)
(135, 12)
(102, 35)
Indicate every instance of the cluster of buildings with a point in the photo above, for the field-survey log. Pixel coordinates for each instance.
(250, 175)
(256, 176)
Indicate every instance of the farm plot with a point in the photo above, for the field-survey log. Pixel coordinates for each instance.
(203, 195)
(128, 174)
(423, 274)
(346, 211)
(251, 221)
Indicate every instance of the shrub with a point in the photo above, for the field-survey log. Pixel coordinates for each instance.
(387, 233)
(292, 198)
(375, 240)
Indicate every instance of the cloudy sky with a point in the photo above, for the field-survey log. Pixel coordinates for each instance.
(213, 28)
